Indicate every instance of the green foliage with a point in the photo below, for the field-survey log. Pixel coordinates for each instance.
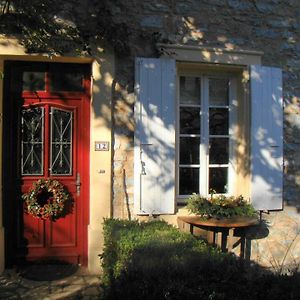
(60, 27)
(155, 261)
(54, 197)
(38, 24)
(125, 239)
(220, 206)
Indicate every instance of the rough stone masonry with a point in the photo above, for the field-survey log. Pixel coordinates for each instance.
(271, 26)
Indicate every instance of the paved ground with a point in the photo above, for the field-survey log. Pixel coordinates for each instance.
(15, 284)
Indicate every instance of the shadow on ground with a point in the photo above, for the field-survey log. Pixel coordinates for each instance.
(49, 281)
(47, 271)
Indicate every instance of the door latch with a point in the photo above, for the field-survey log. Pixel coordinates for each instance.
(143, 171)
(78, 184)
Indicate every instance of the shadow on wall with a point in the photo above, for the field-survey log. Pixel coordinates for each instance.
(137, 33)
(291, 152)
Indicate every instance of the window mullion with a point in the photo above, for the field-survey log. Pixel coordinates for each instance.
(232, 131)
(204, 150)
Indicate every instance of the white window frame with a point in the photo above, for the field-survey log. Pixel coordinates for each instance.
(204, 131)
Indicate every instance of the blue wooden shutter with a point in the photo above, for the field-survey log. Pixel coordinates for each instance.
(266, 138)
(154, 140)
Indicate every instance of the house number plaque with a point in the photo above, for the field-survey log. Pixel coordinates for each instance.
(101, 146)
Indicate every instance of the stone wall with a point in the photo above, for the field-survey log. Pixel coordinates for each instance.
(271, 26)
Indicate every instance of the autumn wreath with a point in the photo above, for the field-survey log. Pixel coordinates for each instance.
(46, 199)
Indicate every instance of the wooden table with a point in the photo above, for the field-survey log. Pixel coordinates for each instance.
(224, 226)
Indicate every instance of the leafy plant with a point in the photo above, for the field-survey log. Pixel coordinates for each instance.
(220, 206)
(153, 260)
(124, 239)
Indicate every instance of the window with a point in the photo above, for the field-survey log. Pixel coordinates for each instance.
(35, 128)
(204, 134)
(218, 140)
(32, 124)
(54, 77)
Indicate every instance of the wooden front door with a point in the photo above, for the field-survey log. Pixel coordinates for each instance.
(49, 111)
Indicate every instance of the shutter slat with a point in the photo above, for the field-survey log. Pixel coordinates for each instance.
(155, 136)
(266, 138)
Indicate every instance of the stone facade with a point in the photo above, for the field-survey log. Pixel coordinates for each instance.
(271, 26)
(268, 26)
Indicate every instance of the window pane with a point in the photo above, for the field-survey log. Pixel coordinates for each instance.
(218, 121)
(188, 181)
(218, 150)
(61, 142)
(67, 77)
(218, 91)
(66, 81)
(189, 150)
(189, 90)
(32, 141)
(33, 81)
(218, 179)
(189, 120)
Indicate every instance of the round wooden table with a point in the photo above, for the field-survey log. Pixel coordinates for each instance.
(224, 226)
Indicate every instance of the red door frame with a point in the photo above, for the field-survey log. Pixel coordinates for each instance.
(57, 99)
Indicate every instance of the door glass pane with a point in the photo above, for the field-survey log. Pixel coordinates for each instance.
(67, 77)
(66, 81)
(218, 121)
(218, 150)
(189, 90)
(33, 81)
(218, 91)
(218, 179)
(188, 181)
(61, 142)
(32, 141)
(189, 150)
(189, 120)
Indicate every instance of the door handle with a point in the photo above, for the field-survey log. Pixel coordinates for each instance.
(78, 184)
(143, 171)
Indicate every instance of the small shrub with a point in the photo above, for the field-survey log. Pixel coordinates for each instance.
(155, 261)
(125, 239)
(220, 206)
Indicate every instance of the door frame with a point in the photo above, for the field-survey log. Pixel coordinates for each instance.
(9, 207)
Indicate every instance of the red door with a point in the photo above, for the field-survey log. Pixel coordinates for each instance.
(54, 144)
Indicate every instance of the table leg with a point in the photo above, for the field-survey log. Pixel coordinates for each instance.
(230, 239)
(211, 238)
(219, 236)
(191, 229)
(223, 239)
(243, 242)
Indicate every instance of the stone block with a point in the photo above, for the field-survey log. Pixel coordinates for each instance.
(91, 291)
(156, 7)
(297, 26)
(279, 23)
(239, 5)
(264, 7)
(153, 21)
(266, 33)
(286, 46)
(237, 41)
(183, 8)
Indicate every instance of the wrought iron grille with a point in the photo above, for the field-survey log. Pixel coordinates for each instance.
(32, 126)
(61, 142)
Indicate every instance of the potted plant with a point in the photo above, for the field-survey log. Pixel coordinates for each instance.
(220, 206)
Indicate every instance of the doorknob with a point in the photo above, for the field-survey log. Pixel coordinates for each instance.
(78, 184)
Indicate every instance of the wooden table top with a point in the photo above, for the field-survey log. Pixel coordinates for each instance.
(235, 222)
